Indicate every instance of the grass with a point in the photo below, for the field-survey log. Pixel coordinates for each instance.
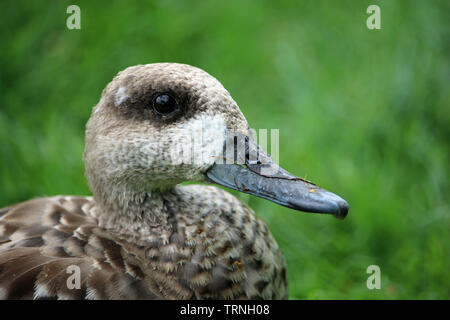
(362, 113)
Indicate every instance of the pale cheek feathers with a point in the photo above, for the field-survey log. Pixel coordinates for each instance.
(207, 137)
(179, 152)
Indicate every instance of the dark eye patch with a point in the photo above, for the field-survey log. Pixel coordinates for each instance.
(158, 104)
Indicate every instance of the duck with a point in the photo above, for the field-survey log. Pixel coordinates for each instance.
(144, 233)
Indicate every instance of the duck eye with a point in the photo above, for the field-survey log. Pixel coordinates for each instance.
(165, 104)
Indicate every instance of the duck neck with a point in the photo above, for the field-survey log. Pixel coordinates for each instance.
(132, 211)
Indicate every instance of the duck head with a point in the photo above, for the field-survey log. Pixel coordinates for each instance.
(160, 124)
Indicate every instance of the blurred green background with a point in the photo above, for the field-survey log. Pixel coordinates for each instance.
(363, 113)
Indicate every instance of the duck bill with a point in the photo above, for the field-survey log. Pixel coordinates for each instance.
(254, 172)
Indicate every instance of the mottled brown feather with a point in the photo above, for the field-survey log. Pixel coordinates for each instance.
(34, 260)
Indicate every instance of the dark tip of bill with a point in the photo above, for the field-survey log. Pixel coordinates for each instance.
(342, 211)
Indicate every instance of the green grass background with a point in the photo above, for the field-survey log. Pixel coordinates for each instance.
(363, 113)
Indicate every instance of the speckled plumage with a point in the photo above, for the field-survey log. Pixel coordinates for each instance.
(142, 235)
